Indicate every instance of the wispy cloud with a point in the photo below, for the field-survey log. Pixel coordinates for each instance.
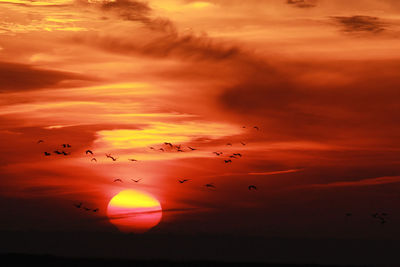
(359, 24)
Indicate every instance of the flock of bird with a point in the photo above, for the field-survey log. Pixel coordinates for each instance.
(170, 147)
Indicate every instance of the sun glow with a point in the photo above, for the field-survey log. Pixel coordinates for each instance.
(134, 211)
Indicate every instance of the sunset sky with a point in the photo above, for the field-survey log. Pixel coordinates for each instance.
(319, 78)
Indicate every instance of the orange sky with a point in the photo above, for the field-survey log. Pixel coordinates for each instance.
(319, 78)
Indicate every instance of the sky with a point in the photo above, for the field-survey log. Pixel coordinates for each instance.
(306, 91)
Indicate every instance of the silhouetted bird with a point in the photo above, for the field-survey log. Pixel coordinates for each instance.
(161, 149)
(136, 181)
(178, 146)
(93, 159)
(209, 186)
(229, 144)
(232, 157)
(243, 126)
(65, 153)
(95, 210)
(256, 127)
(218, 153)
(40, 141)
(132, 159)
(87, 209)
(183, 181)
(78, 205)
(152, 147)
(47, 153)
(89, 152)
(228, 161)
(66, 145)
(243, 144)
(118, 180)
(111, 157)
(191, 148)
(252, 187)
(180, 150)
(57, 152)
(237, 154)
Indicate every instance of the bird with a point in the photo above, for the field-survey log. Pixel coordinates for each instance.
(93, 159)
(229, 144)
(118, 180)
(66, 145)
(243, 126)
(237, 154)
(87, 209)
(168, 144)
(256, 127)
(78, 205)
(210, 185)
(243, 144)
(40, 141)
(180, 150)
(161, 149)
(252, 187)
(232, 157)
(183, 181)
(47, 153)
(57, 152)
(218, 153)
(95, 210)
(136, 181)
(152, 147)
(89, 152)
(132, 159)
(65, 153)
(111, 157)
(191, 148)
(228, 161)
(178, 146)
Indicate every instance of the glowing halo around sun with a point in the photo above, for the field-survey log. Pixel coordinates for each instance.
(133, 211)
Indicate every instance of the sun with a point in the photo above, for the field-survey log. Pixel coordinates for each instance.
(133, 211)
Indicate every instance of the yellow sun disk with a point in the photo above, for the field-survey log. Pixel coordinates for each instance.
(134, 199)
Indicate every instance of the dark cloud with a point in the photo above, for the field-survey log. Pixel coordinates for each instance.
(302, 3)
(15, 76)
(136, 11)
(358, 24)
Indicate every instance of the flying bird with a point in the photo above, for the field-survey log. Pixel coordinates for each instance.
(161, 149)
(118, 180)
(229, 144)
(87, 209)
(210, 185)
(93, 159)
(111, 157)
(232, 157)
(183, 181)
(228, 161)
(78, 205)
(136, 181)
(152, 147)
(191, 148)
(237, 154)
(218, 153)
(180, 150)
(95, 210)
(57, 152)
(243, 144)
(65, 153)
(89, 152)
(47, 153)
(252, 187)
(132, 159)
(40, 141)
(256, 127)
(66, 145)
